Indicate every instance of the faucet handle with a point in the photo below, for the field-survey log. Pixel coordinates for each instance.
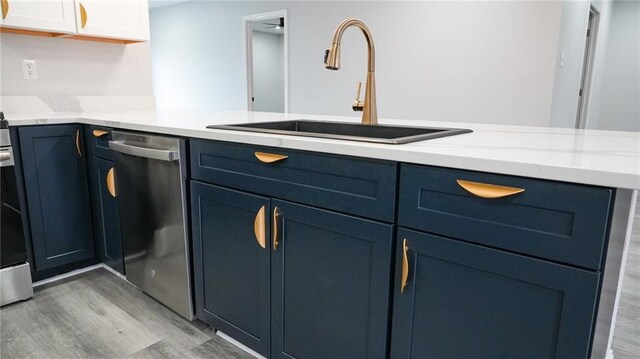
(357, 104)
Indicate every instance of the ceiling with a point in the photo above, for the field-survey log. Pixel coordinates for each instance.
(160, 3)
(263, 26)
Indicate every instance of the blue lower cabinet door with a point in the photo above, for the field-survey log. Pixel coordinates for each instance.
(108, 218)
(330, 284)
(55, 174)
(459, 300)
(231, 259)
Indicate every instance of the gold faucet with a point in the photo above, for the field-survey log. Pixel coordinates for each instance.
(332, 62)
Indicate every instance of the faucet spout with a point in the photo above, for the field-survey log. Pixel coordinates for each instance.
(332, 62)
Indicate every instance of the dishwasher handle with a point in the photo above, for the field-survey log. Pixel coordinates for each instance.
(151, 153)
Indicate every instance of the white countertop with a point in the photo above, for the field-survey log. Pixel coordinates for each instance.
(606, 158)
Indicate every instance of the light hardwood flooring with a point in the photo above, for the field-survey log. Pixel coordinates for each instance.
(98, 315)
(626, 338)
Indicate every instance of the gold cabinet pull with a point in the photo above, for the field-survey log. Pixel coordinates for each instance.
(78, 142)
(5, 8)
(111, 182)
(405, 265)
(269, 157)
(276, 214)
(99, 133)
(486, 190)
(83, 16)
(259, 228)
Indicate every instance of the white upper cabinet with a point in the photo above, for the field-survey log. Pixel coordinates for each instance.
(39, 15)
(119, 19)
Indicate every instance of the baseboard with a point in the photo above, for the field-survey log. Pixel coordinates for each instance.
(66, 275)
(609, 353)
(239, 345)
(118, 274)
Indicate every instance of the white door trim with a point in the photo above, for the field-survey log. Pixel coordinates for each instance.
(586, 76)
(248, 54)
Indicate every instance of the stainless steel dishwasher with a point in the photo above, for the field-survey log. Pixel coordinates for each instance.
(150, 174)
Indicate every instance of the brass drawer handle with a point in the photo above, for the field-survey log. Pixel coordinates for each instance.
(78, 142)
(486, 190)
(99, 133)
(5, 8)
(111, 182)
(276, 214)
(259, 228)
(405, 265)
(269, 157)
(83, 16)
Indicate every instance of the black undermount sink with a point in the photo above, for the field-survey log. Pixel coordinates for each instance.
(347, 131)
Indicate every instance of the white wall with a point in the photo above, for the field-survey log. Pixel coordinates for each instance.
(197, 54)
(268, 72)
(69, 68)
(489, 62)
(617, 85)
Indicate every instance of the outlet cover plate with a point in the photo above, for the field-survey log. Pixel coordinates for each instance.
(29, 69)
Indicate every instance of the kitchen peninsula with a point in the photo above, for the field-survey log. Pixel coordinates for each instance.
(566, 231)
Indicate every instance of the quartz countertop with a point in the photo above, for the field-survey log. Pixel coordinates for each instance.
(605, 158)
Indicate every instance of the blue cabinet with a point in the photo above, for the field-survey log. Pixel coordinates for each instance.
(358, 186)
(97, 139)
(55, 174)
(462, 300)
(330, 278)
(108, 238)
(491, 266)
(232, 263)
(563, 222)
(104, 200)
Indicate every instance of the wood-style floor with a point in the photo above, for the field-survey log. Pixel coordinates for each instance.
(98, 315)
(626, 338)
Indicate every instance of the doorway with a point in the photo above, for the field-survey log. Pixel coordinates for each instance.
(266, 57)
(587, 68)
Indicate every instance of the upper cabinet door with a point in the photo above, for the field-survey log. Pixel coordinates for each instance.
(48, 15)
(123, 19)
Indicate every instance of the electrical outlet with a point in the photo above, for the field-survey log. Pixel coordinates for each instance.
(29, 69)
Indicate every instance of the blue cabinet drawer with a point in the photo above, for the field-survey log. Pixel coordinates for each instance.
(98, 138)
(554, 220)
(345, 184)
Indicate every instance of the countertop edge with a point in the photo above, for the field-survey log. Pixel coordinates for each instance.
(372, 151)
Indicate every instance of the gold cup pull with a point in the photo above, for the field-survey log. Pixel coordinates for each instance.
(405, 266)
(259, 228)
(111, 182)
(5, 8)
(78, 142)
(486, 190)
(269, 157)
(276, 214)
(83, 16)
(99, 133)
